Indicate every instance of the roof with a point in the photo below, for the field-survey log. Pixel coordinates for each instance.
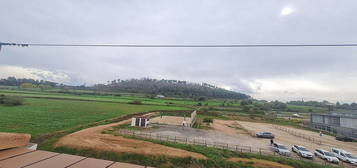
(23, 157)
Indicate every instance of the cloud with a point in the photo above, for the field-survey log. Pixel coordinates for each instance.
(293, 72)
(314, 87)
(33, 73)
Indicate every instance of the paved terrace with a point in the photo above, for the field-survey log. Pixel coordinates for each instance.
(25, 158)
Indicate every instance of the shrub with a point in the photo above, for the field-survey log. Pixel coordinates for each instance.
(208, 120)
(13, 100)
(2, 99)
(137, 102)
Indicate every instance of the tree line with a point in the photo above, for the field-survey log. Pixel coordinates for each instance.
(12, 81)
(324, 103)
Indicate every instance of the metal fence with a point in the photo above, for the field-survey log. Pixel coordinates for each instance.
(298, 134)
(218, 145)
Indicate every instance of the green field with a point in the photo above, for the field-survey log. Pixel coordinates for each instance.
(40, 116)
(120, 99)
(49, 111)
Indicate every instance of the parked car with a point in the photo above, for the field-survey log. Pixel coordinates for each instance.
(344, 139)
(302, 151)
(345, 156)
(281, 149)
(265, 135)
(325, 155)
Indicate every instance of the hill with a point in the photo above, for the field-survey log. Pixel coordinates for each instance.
(170, 88)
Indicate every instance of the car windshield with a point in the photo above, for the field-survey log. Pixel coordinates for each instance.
(267, 133)
(281, 147)
(329, 154)
(351, 156)
(303, 149)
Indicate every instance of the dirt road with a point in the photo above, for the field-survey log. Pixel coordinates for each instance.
(92, 138)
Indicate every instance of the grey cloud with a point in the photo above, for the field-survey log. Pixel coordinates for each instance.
(184, 22)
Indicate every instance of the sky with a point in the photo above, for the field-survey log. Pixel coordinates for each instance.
(310, 73)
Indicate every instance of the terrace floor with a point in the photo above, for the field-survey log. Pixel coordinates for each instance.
(25, 158)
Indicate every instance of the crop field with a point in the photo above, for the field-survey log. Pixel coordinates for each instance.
(40, 116)
(125, 98)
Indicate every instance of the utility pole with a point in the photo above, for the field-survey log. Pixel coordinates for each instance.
(12, 44)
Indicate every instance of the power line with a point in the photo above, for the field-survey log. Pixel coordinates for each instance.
(177, 45)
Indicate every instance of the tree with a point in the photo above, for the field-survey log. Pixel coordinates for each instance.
(2, 99)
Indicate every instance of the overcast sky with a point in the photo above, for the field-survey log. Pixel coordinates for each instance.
(316, 73)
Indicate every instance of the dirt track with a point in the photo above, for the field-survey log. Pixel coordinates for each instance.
(92, 138)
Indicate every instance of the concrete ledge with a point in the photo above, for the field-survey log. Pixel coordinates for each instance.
(12, 140)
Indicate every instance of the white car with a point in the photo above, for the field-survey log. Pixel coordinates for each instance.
(345, 156)
(302, 151)
(281, 149)
(325, 155)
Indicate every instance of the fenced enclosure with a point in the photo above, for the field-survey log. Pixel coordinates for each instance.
(298, 134)
(218, 145)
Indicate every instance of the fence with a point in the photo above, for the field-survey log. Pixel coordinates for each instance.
(218, 145)
(298, 134)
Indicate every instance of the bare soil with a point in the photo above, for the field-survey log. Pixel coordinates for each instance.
(232, 128)
(260, 163)
(92, 138)
(170, 120)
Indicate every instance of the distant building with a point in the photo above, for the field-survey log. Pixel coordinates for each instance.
(160, 96)
(339, 123)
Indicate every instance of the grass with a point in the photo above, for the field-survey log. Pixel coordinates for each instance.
(125, 98)
(42, 116)
(155, 161)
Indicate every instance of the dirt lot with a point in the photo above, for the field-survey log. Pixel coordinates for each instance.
(92, 138)
(232, 128)
(289, 139)
(171, 120)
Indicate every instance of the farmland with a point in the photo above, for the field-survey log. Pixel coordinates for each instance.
(48, 111)
(52, 117)
(40, 116)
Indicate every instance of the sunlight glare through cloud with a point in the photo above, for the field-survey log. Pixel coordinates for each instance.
(287, 11)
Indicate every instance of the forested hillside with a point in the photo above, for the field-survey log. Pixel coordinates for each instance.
(148, 86)
(170, 88)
